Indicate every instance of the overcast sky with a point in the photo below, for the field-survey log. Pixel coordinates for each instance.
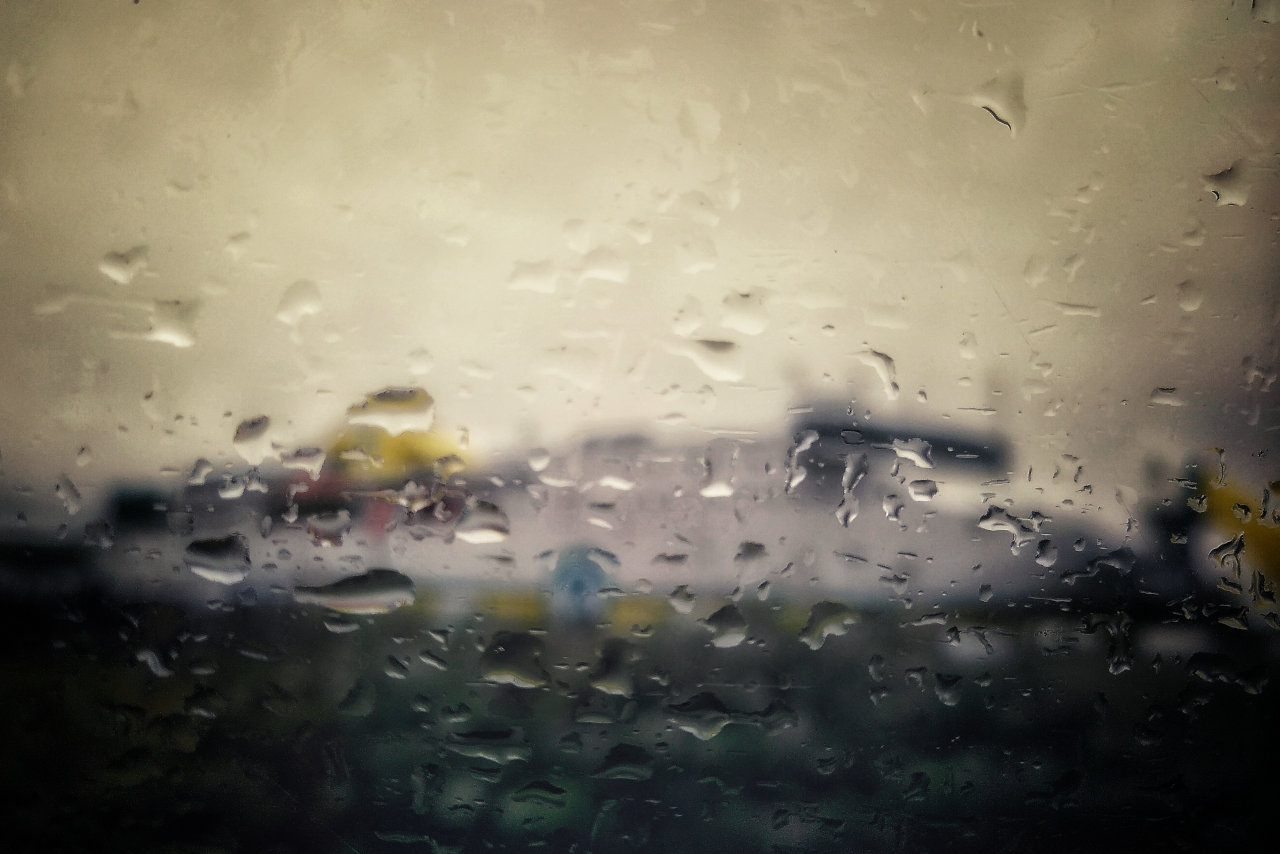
(1053, 221)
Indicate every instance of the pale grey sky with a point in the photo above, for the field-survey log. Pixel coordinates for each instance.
(560, 217)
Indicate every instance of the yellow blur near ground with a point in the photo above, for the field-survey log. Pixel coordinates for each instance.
(1249, 520)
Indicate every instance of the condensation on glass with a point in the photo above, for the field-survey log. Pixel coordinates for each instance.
(747, 426)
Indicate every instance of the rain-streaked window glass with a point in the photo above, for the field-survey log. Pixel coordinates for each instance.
(640, 425)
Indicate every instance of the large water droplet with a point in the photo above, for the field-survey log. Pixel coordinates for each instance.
(922, 490)
(826, 619)
(396, 410)
(252, 439)
(513, 658)
(884, 368)
(309, 460)
(612, 675)
(483, 523)
(796, 473)
(916, 451)
(745, 313)
(703, 715)
(1230, 186)
(996, 519)
(374, 592)
(605, 265)
(722, 361)
(625, 762)
(727, 626)
(224, 560)
(1002, 97)
(500, 747)
(947, 688)
(1046, 553)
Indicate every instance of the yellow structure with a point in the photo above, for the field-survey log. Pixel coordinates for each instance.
(1249, 523)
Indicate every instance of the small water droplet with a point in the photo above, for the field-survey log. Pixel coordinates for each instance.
(513, 658)
(892, 506)
(340, 625)
(922, 490)
(123, 267)
(328, 529)
(918, 787)
(153, 663)
(301, 299)
(947, 688)
(722, 361)
(200, 472)
(682, 600)
(539, 459)
(429, 658)
(1190, 296)
(1166, 397)
(605, 265)
(68, 494)
(697, 253)
(396, 667)
(745, 313)
(237, 244)
(359, 700)
(885, 369)
(537, 276)
(541, 794)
